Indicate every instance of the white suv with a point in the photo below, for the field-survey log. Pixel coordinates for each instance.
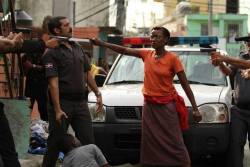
(117, 129)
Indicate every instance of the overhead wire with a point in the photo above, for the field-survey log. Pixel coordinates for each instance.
(95, 13)
(92, 8)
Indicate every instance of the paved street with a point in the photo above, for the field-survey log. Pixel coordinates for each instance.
(247, 156)
(35, 161)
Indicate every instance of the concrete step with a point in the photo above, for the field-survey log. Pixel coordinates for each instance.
(32, 161)
(36, 161)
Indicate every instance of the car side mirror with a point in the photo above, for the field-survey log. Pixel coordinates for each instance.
(99, 79)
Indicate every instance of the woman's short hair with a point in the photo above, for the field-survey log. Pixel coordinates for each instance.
(46, 20)
(165, 31)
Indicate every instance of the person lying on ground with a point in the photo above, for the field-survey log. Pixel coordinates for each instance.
(81, 156)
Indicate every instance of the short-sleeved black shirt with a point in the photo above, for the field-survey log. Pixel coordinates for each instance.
(35, 79)
(241, 87)
(69, 66)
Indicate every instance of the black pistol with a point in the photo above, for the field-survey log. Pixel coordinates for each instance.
(245, 39)
(208, 49)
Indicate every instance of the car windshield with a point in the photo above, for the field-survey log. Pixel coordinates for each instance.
(128, 70)
(198, 69)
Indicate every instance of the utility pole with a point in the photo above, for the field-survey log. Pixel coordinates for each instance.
(74, 13)
(121, 14)
(210, 17)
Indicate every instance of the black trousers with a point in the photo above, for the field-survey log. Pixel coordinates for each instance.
(7, 146)
(80, 120)
(240, 127)
(41, 104)
(38, 94)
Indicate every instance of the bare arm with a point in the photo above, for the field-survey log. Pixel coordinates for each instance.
(92, 85)
(10, 45)
(184, 83)
(6, 44)
(236, 62)
(14, 43)
(54, 90)
(91, 82)
(117, 48)
(37, 46)
(217, 59)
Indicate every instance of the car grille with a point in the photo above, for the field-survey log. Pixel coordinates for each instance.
(127, 141)
(134, 113)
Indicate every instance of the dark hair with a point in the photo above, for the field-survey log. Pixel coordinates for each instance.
(46, 20)
(165, 31)
(66, 143)
(54, 22)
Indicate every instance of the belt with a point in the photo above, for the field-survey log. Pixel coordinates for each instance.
(72, 96)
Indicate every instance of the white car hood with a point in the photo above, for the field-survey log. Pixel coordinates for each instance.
(131, 95)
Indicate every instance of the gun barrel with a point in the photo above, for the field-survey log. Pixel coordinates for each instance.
(79, 40)
(59, 37)
(208, 49)
(246, 39)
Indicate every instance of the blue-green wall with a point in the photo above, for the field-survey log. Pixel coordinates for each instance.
(220, 22)
(18, 115)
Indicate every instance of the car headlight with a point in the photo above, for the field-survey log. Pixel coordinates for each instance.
(214, 113)
(97, 117)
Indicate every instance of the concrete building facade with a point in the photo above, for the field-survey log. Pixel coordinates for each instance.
(37, 9)
(198, 6)
(244, 8)
(92, 13)
(87, 12)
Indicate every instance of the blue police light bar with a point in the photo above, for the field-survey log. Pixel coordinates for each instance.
(202, 40)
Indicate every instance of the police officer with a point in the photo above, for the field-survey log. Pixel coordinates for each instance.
(67, 69)
(15, 43)
(7, 147)
(36, 86)
(240, 112)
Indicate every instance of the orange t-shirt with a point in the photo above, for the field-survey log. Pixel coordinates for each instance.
(159, 73)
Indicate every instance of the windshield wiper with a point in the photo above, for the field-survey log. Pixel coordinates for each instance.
(176, 81)
(125, 82)
(196, 82)
(202, 83)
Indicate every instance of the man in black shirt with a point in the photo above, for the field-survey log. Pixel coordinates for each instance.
(68, 70)
(240, 112)
(14, 43)
(36, 85)
(7, 147)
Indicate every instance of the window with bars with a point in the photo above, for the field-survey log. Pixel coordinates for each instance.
(204, 29)
(233, 31)
(232, 6)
